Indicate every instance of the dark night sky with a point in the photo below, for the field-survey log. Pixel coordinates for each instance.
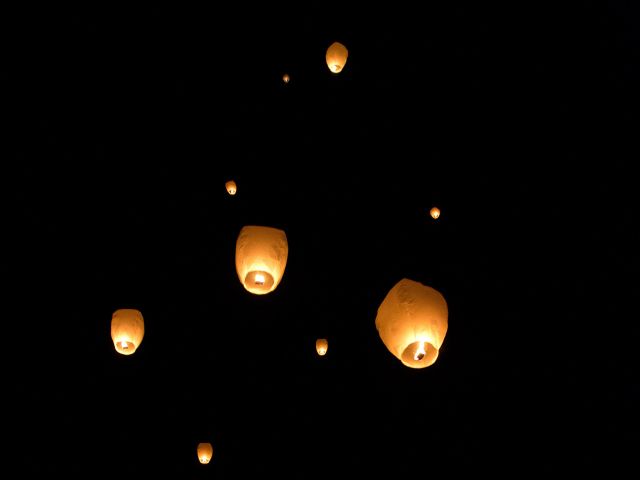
(122, 127)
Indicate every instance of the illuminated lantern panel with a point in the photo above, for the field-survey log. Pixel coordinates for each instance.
(336, 57)
(435, 213)
(231, 187)
(412, 322)
(205, 452)
(286, 78)
(261, 257)
(321, 346)
(127, 330)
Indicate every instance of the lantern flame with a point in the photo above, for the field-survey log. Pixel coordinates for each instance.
(420, 352)
(259, 280)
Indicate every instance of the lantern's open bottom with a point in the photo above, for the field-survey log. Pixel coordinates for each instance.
(125, 348)
(413, 357)
(258, 282)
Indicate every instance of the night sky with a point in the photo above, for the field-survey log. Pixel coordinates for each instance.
(122, 127)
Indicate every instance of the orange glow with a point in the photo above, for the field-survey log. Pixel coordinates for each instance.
(261, 257)
(322, 345)
(412, 322)
(336, 57)
(435, 213)
(286, 78)
(205, 452)
(231, 187)
(127, 330)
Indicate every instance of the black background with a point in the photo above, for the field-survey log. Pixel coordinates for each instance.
(122, 126)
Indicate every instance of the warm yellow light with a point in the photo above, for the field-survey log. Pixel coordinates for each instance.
(231, 187)
(205, 452)
(127, 330)
(336, 57)
(261, 257)
(286, 78)
(435, 213)
(412, 322)
(322, 345)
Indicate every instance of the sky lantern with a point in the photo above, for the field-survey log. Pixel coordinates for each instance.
(261, 257)
(435, 213)
(412, 322)
(127, 330)
(231, 187)
(321, 346)
(286, 78)
(336, 57)
(205, 452)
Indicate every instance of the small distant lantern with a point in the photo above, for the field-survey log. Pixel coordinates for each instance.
(127, 330)
(336, 57)
(435, 213)
(412, 323)
(205, 452)
(261, 257)
(231, 187)
(286, 78)
(321, 346)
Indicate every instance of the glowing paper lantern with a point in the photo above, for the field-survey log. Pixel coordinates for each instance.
(127, 330)
(412, 322)
(205, 452)
(261, 257)
(231, 187)
(286, 78)
(321, 346)
(435, 213)
(336, 57)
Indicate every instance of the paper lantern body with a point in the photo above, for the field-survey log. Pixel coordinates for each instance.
(231, 187)
(261, 257)
(322, 345)
(435, 213)
(127, 330)
(336, 57)
(286, 78)
(205, 452)
(412, 322)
